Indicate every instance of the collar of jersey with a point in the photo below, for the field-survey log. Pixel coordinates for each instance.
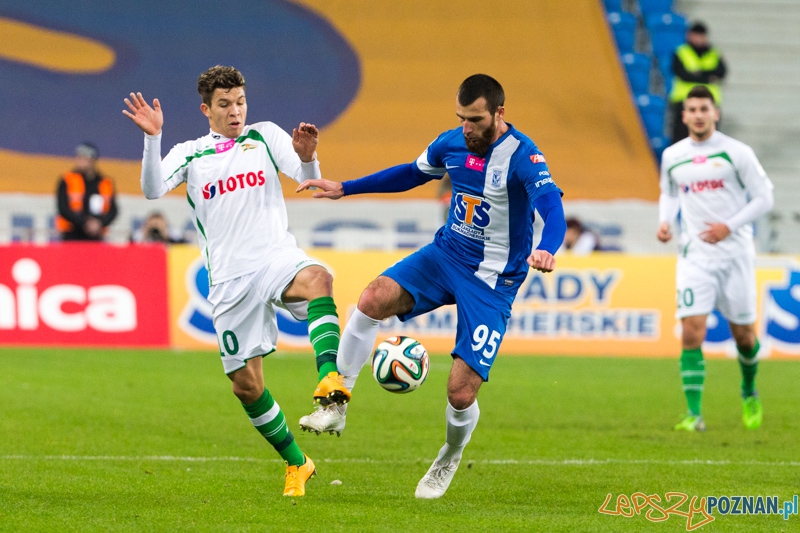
(497, 142)
(212, 133)
(714, 137)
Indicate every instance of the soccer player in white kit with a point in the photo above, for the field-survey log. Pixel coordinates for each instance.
(253, 262)
(720, 188)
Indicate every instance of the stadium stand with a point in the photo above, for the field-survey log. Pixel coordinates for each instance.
(658, 30)
(667, 32)
(649, 7)
(652, 109)
(637, 66)
(624, 27)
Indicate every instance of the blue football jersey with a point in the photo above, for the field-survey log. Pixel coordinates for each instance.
(490, 223)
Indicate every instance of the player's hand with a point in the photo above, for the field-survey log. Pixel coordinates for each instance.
(715, 232)
(305, 138)
(325, 188)
(542, 260)
(664, 234)
(149, 119)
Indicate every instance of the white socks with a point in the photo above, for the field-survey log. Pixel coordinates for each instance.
(355, 347)
(459, 427)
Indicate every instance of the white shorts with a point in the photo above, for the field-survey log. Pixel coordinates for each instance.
(728, 285)
(243, 308)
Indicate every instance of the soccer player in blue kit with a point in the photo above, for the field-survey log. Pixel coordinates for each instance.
(477, 261)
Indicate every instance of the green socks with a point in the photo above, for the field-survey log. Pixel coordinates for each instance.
(323, 332)
(267, 417)
(749, 365)
(693, 374)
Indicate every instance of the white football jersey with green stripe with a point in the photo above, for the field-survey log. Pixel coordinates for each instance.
(713, 180)
(233, 188)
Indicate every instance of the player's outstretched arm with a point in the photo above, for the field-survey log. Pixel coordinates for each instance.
(325, 188)
(305, 138)
(149, 119)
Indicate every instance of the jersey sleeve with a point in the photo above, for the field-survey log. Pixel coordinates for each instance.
(758, 186)
(668, 202)
(535, 174)
(752, 175)
(431, 160)
(159, 176)
(286, 160)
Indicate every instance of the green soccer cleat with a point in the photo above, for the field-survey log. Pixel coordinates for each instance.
(752, 412)
(691, 423)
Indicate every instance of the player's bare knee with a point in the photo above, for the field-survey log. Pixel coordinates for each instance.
(319, 280)
(461, 399)
(373, 301)
(745, 342)
(693, 334)
(690, 341)
(246, 392)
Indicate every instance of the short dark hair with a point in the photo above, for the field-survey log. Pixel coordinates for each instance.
(87, 149)
(698, 27)
(479, 85)
(574, 223)
(701, 91)
(218, 77)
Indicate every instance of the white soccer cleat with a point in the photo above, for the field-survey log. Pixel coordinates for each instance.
(435, 482)
(330, 419)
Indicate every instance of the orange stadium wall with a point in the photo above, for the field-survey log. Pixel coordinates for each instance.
(557, 61)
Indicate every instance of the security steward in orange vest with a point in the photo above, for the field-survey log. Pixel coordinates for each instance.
(695, 62)
(86, 199)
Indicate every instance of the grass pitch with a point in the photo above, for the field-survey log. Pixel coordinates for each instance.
(124, 440)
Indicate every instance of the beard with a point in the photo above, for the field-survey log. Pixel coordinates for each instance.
(481, 145)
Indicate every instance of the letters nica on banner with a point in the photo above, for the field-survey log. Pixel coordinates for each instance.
(83, 294)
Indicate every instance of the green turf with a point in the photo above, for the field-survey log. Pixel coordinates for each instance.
(123, 440)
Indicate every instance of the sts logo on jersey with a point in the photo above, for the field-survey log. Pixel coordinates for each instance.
(473, 214)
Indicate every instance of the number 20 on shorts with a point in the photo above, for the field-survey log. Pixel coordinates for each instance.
(685, 298)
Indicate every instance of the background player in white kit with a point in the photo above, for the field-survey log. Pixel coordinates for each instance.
(720, 188)
(253, 262)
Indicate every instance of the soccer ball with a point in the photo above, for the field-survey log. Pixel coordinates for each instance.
(400, 364)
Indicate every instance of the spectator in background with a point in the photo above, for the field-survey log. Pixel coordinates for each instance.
(579, 239)
(156, 229)
(695, 62)
(86, 199)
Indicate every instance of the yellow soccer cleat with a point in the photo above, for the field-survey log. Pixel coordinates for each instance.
(331, 390)
(296, 477)
(691, 423)
(752, 413)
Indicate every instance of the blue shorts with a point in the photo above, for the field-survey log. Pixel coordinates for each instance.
(434, 278)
